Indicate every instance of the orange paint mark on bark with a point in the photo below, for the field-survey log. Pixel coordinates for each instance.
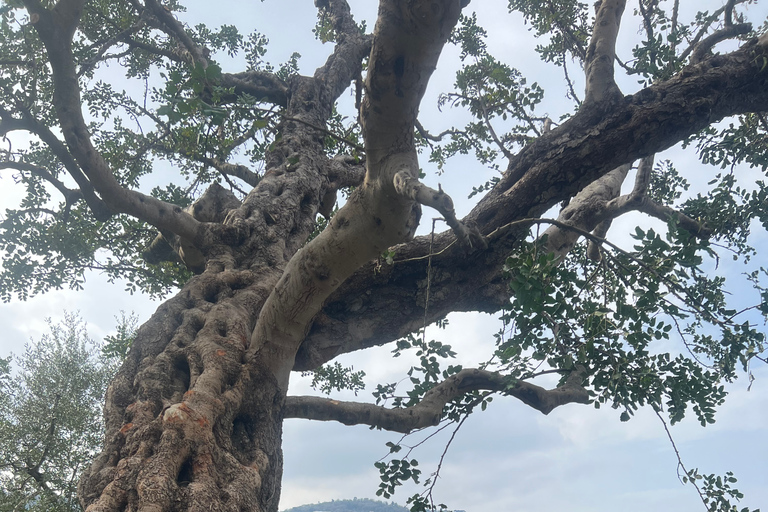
(126, 428)
(221, 352)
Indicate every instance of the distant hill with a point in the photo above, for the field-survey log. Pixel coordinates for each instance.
(354, 505)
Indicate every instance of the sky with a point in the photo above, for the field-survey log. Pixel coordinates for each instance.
(509, 457)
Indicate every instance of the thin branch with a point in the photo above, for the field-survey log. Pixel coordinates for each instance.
(675, 288)
(495, 138)
(729, 32)
(680, 464)
(70, 195)
(29, 123)
(412, 188)
(675, 23)
(568, 80)
(112, 41)
(703, 30)
(569, 36)
(429, 411)
(328, 132)
(435, 138)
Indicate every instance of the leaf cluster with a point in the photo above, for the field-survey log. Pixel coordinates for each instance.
(50, 418)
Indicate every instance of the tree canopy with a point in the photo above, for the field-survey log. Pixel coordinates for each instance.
(278, 208)
(50, 415)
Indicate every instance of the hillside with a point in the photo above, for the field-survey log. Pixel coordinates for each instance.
(354, 505)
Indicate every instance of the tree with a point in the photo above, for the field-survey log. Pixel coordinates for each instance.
(50, 418)
(194, 416)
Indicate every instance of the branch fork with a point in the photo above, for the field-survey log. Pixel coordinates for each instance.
(409, 187)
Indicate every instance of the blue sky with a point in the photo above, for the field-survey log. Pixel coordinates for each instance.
(508, 457)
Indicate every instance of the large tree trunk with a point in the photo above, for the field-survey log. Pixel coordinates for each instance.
(194, 417)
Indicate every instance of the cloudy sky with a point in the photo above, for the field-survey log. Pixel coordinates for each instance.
(508, 457)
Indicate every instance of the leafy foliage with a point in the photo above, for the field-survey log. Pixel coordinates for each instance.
(336, 377)
(50, 416)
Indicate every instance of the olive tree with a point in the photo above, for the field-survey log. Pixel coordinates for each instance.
(266, 287)
(50, 415)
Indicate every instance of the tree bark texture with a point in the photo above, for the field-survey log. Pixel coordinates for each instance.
(194, 416)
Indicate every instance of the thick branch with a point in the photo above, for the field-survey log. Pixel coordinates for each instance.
(261, 85)
(601, 53)
(68, 107)
(171, 26)
(345, 171)
(408, 40)
(548, 170)
(428, 412)
(352, 47)
(407, 43)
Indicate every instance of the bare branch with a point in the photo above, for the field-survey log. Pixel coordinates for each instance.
(346, 171)
(171, 26)
(238, 171)
(435, 138)
(586, 211)
(601, 53)
(429, 411)
(261, 85)
(729, 12)
(643, 177)
(352, 46)
(568, 80)
(703, 49)
(704, 28)
(601, 231)
(412, 188)
(501, 146)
